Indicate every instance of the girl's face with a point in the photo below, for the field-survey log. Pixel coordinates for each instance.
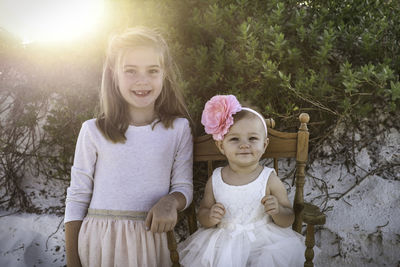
(245, 142)
(140, 78)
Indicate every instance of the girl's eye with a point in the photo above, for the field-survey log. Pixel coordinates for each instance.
(130, 71)
(154, 71)
(253, 138)
(234, 139)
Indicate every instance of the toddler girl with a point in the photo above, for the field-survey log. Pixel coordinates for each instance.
(245, 212)
(132, 169)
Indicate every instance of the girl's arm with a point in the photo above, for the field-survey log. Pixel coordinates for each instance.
(182, 168)
(163, 216)
(210, 213)
(80, 191)
(276, 202)
(71, 243)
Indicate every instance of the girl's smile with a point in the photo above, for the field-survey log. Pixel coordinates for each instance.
(141, 93)
(244, 153)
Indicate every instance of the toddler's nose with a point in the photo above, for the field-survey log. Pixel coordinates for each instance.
(244, 145)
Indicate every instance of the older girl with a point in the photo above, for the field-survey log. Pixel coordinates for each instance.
(132, 169)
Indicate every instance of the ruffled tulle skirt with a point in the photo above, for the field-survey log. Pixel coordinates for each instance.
(116, 238)
(256, 244)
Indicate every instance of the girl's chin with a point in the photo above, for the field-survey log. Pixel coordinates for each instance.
(245, 164)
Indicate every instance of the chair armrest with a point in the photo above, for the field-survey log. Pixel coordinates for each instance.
(312, 215)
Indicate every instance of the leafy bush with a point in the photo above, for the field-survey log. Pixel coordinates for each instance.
(332, 59)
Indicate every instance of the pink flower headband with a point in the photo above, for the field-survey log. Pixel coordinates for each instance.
(218, 113)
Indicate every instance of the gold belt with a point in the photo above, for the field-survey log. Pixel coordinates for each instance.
(118, 214)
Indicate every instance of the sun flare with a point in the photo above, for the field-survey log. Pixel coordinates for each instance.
(50, 20)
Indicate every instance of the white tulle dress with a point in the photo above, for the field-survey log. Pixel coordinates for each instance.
(246, 236)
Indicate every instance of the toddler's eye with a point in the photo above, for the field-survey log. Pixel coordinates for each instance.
(253, 138)
(233, 139)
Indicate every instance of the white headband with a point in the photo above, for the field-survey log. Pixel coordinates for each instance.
(258, 115)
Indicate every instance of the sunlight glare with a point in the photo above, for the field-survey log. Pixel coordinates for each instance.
(51, 20)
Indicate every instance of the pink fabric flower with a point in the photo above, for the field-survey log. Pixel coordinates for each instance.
(217, 115)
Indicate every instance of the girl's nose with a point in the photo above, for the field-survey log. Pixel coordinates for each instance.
(141, 79)
(244, 145)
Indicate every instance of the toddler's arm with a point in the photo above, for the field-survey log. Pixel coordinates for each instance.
(276, 202)
(210, 213)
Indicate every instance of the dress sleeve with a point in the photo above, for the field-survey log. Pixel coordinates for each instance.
(182, 169)
(79, 192)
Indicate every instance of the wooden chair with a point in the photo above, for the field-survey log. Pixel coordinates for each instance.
(281, 145)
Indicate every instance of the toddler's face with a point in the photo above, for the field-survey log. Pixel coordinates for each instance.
(140, 77)
(245, 142)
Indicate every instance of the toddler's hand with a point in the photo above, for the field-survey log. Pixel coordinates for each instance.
(163, 216)
(271, 204)
(217, 211)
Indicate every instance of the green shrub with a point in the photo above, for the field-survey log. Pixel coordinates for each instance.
(332, 59)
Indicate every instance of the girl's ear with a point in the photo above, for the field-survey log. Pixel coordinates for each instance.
(220, 147)
(266, 142)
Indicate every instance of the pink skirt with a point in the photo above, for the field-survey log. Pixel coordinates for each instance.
(110, 238)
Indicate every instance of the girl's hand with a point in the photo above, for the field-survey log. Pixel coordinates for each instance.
(271, 204)
(217, 212)
(163, 216)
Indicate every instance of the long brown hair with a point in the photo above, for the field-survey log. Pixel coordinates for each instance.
(114, 116)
